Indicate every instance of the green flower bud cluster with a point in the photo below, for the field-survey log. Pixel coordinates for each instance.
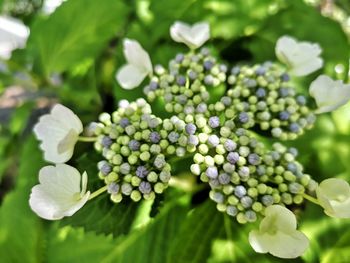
(186, 84)
(262, 95)
(244, 177)
(135, 146)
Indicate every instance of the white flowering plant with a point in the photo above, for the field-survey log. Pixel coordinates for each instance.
(155, 135)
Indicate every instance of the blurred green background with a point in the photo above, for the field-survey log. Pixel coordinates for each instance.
(71, 56)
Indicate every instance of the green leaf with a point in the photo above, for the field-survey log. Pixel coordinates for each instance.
(69, 244)
(151, 243)
(75, 33)
(20, 228)
(194, 239)
(311, 26)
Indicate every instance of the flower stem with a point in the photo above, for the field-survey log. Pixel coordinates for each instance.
(87, 139)
(311, 199)
(98, 192)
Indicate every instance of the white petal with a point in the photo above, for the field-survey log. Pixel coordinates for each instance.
(129, 76)
(137, 56)
(301, 57)
(334, 196)
(58, 193)
(13, 34)
(59, 132)
(258, 242)
(193, 36)
(200, 33)
(329, 94)
(279, 218)
(66, 116)
(177, 29)
(287, 245)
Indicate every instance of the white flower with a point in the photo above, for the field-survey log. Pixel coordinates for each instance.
(59, 193)
(138, 67)
(301, 57)
(334, 196)
(193, 36)
(13, 35)
(59, 132)
(277, 234)
(329, 94)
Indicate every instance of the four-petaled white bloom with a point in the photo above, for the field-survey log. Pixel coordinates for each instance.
(59, 132)
(138, 67)
(334, 196)
(329, 94)
(61, 192)
(13, 34)
(302, 58)
(193, 36)
(277, 234)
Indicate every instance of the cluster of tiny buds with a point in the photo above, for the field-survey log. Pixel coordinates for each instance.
(245, 178)
(135, 147)
(185, 86)
(262, 94)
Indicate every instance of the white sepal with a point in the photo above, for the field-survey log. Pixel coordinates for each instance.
(138, 65)
(61, 192)
(302, 58)
(59, 131)
(277, 234)
(193, 36)
(329, 94)
(333, 195)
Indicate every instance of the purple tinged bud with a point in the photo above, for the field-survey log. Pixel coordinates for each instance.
(260, 93)
(246, 201)
(154, 137)
(240, 191)
(218, 197)
(284, 115)
(159, 162)
(241, 132)
(260, 71)
(214, 122)
(190, 128)
(284, 92)
(208, 65)
(124, 122)
(141, 171)
(292, 167)
(275, 155)
(182, 99)
(214, 183)
(213, 140)
(227, 101)
(285, 77)
(267, 200)
(104, 167)
(253, 159)
(230, 145)
(193, 140)
(153, 85)
(113, 188)
(179, 58)
(301, 100)
(295, 188)
(106, 141)
(134, 145)
(294, 127)
(232, 157)
(293, 151)
(224, 178)
(231, 210)
(243, 117)
(192, 75)
(145, 187)
(202, 107)
(223, 68)
(181, 80)
(173, 137)
(212, 172)
(261, 170)
(250, 215)
(208, 80)
(244, 172)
